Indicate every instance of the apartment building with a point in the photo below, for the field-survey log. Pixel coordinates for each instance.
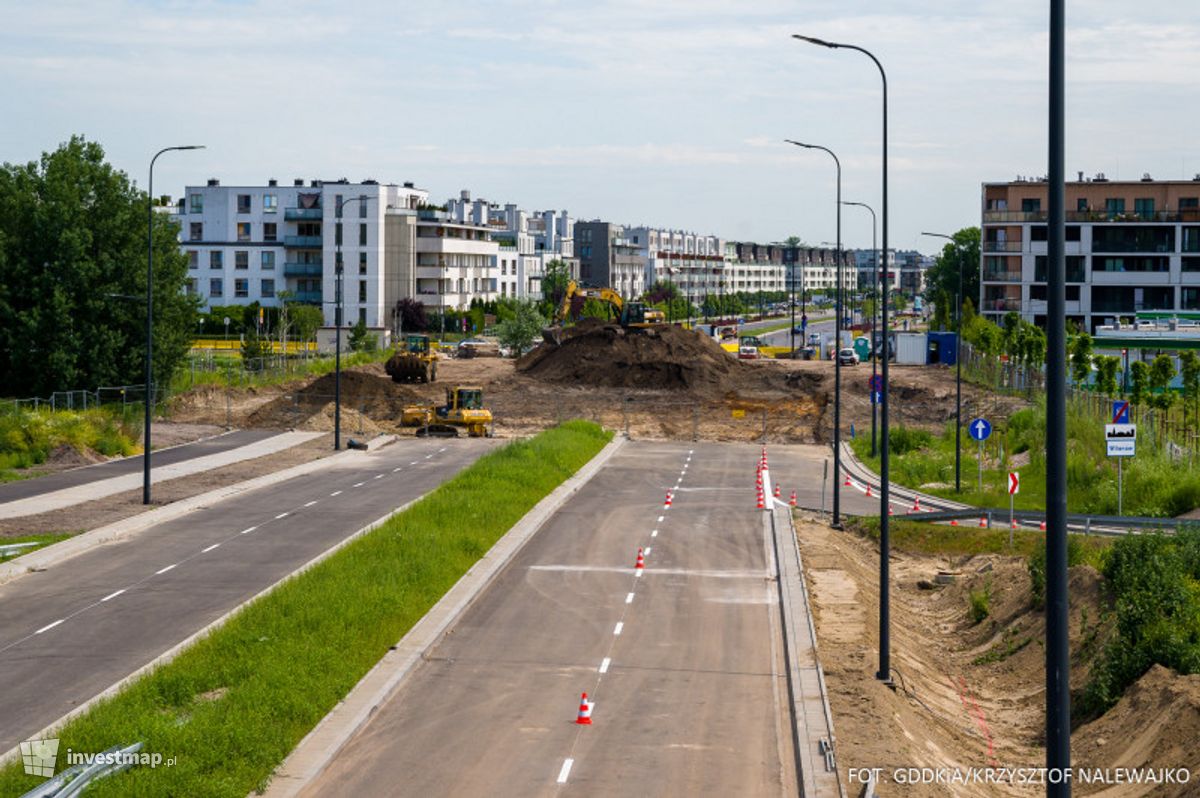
(1131, 246)
(608, 257)
(250, 244)
(694, 263)
(813, 271)
(527, 242)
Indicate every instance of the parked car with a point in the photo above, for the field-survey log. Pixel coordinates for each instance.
(848, 357)
(814, 339)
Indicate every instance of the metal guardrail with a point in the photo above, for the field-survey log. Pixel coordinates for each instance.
(77, 778)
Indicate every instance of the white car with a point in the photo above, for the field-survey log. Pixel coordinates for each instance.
(848, 357)
(748, 352)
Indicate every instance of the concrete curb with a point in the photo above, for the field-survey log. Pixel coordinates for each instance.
(129, 528)
(320, 746)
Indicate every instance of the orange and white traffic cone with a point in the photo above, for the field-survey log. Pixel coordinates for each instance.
(792, 501)
(585, 711)
(667, 503)
(848, 481)
(777, 491)
(1042, 526)
(641, 559)
(953, 522)
(916, 504)
(868, 490)
(982, 522)
(1014, 523)
(890, 512)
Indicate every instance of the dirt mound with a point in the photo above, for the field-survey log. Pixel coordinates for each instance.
(1154, 725)
(597, 354)
(365, 392)
(64, 456)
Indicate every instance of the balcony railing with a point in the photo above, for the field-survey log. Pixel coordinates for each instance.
(308, 297)
(302, 242)
(1093, 215)
(1133, 246)
(303, 214)
(302, 269)
(1001, 246)
(993, 276)
(1003, 304)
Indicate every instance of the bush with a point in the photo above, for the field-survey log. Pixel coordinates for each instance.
(902, 440)
(1037, 568)
(980, 602)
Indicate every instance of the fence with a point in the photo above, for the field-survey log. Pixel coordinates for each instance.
(125, 395)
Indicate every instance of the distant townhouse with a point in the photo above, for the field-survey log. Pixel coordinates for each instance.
(1131, 246)
(609, 258)
(813, 270)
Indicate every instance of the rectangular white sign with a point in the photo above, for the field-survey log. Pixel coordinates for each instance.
(1120, 432)
(1122, 447)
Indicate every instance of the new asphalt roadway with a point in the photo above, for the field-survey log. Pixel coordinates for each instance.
(70, 632)
(683, 661)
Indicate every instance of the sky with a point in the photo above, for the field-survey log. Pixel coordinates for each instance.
(661, 112)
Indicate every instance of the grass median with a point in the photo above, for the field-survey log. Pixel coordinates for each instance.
(231, 707)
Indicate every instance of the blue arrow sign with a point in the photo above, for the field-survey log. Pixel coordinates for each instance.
(979, 429)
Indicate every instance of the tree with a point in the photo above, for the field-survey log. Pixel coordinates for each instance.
(941, 312)
(1139, 379)
(1189, 372)
(520, 333)
(1162, 371)
(411, 315)
(361, 339)
(555, 281)
(306, 320)
(253, 352)
(661, 292)
(1081, 358)
(943, 275)
(1106, 374)
(73, 235)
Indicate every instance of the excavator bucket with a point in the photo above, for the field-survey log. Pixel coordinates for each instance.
(553, 334)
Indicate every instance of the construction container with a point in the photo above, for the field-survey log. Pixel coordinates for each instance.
(942, 348)
(911, 348)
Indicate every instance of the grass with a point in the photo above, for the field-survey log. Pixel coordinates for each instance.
(232, 706)
(228, 371)
(42, 541)
(27, 437)
(1154, 485)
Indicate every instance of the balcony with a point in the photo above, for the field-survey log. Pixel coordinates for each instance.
(303, 214)
(1001, 276)
(1002, 304)
(1109, 247)
(1001, 246)
(302, 269)
(308, 297)
(302, 242)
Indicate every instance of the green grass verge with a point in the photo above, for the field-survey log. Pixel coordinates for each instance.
(27, 437)
(228, 371)
(41, 540)
(231, 707)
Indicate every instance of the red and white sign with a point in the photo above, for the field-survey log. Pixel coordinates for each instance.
(1014, 483)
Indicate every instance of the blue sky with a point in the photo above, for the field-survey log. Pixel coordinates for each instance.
(669, 112)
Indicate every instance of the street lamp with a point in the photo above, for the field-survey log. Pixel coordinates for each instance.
(957, 362)
(874, 294)
(837, 337)
(884, 673)
(148, 399)
(338, 298)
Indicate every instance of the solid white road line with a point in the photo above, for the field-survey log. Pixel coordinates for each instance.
(49, 626)
(617, 629)
(629, 598)
(566, 770)
(113, 595)
(336, 493)
(281, 515)
(210, 548)
(248, 530)
(164, 570)
(311, 503)
(604, 663)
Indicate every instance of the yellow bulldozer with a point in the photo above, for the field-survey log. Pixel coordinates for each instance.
(463, 410)
(413, 361)
(628, 314)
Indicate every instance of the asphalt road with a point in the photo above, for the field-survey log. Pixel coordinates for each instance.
(684, 663)
(25, 488)
(70, 632)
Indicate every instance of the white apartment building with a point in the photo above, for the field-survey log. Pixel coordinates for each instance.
(812, 271)
(250, 244)
(694, 263)
(527, 242)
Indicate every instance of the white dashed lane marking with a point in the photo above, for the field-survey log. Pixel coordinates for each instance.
(660, 518)
(566, 771)
(248, 530)
(49, 626)
(281, 515)
(311, 503)
(647, 551)
(394, 470)
(336, 493)
(161, 571)
(617, 629)
(604, 664)
(210, 548)
(629, 598)
(358, 484)
(112, 595)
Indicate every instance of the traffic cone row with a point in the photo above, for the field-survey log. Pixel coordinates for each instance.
(761, 501)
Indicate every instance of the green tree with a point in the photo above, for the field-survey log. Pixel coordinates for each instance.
(942, 312)
(520, 333)
(253, 352)
(73, 234)
(361, 339)
(1139, 380)
(555, 281)
(1106, 374)
(306, 320)
(661, 292)
(1032, 346)
(943, 275)
(1162, 371)
(1189, 372)
(1081, 358)
(1010, 335)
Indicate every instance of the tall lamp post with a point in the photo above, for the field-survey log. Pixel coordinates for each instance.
(875, 294)
(885, 672)
(837, 336)
(958, 250)
(339, 295)
(148, 399)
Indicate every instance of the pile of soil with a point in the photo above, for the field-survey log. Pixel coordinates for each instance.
(601, 355)
(63, 457)
(369, 393)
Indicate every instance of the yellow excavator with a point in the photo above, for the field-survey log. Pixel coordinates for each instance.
(413, 361)
(628, 314)
(463, 410)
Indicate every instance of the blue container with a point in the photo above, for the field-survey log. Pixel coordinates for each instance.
(943, 348)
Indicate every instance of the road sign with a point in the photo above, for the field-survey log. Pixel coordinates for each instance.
(876, 383)
(979, 429)
(876, 397)
(1119, 432)
(1014, 483)
(1120, 414)
(1122, 447)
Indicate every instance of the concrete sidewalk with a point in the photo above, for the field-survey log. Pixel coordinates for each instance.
(100, 489)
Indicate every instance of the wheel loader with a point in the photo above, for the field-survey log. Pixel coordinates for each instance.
(463, 410)
(413, 361)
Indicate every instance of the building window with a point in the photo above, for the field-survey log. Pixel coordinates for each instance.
(214, 260)
(337, 231)
(196, 203)
(215, 288)
(1144, 206)
(241, 259)
(268, 260)
(362, 290)
(270, 203)
(362, 316)
(197, 231)
(1081, 204)
(1114, 205)
(1031, 205)
(241, 288)
(362, 235)
(362, 263)
(337, 206)
(362, 209)
(270, 231)
(268, 289)
(193, 259)
(191, 286)
(243, 203)
(243, 231)
(1189, 202)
